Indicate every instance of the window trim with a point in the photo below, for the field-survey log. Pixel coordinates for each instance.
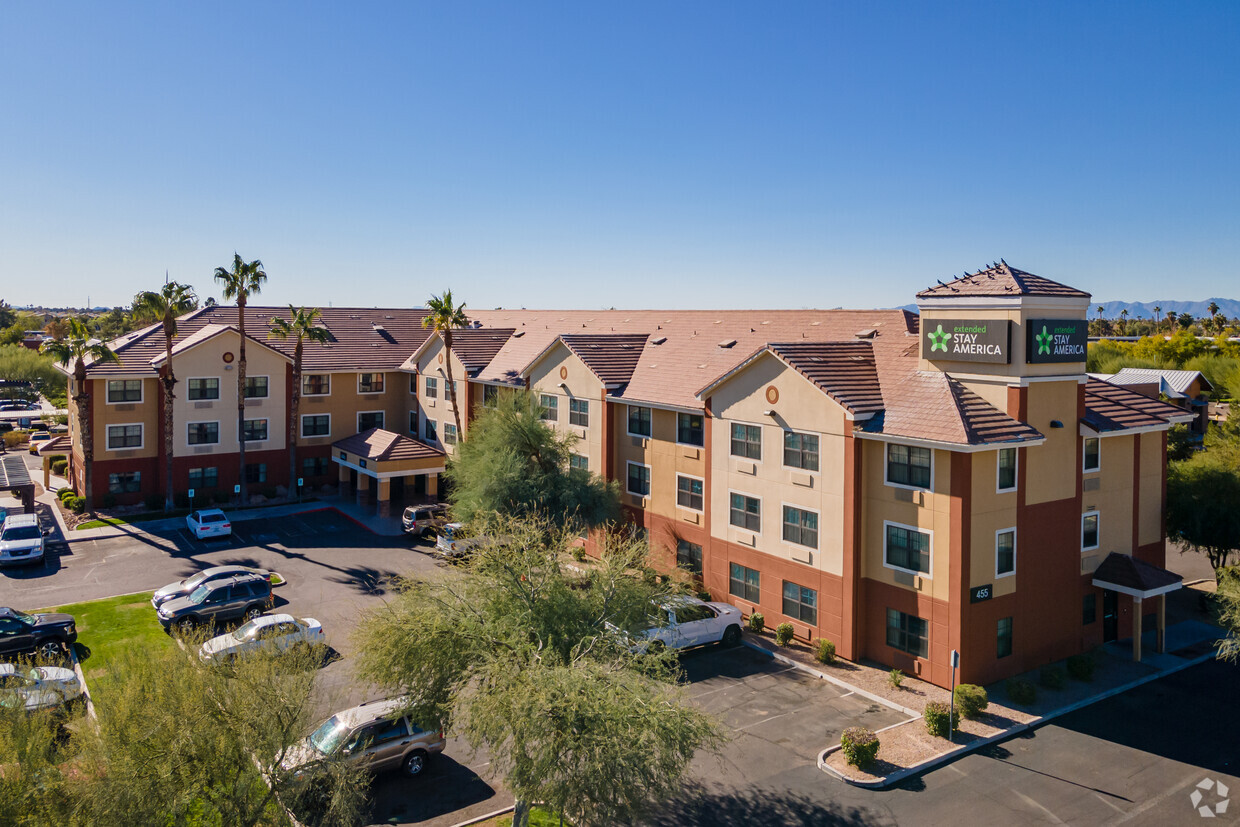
(256, 419)
(929, 572)
(887, 468)
(702, 480)
(382, 413)
(434, 423)
(141, 430)
(1097, 531)
(137, 473)
(887, 628)
(219, 389)
(628, 466)
(628, 420)
(362, 373)
(214, 422)
(301, 426)
(584, 458)
(731, 524)
(999, 574)
(732, 423)
(306, 376)
(444, 439)
(553, 408)
(800, 593)
(426, 387)
(998, 470)
(571, 412)
(784, 456)
(782, 523)
(745, 583)
(259, 376)
(702, 444)
(701, 565)
(1098, 468)
(107, 392)
(413, 384)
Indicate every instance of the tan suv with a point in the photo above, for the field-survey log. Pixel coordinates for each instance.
(371, 737)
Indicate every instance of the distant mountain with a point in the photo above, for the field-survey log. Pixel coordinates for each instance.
(1145, 310)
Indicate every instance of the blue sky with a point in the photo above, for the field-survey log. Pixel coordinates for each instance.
(628, 154)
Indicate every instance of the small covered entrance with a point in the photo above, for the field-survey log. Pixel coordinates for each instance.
(16, 478)
(381, 464)
(1123, 574)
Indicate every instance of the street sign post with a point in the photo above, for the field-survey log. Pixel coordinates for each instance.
(951, 710)
(191, 499)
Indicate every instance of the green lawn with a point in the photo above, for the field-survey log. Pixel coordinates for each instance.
(539, 817)
(110, 521)
(111, 625)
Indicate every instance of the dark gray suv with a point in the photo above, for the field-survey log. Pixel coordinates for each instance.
(230, 598)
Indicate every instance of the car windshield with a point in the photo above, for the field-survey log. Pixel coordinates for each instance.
(21, 532)
(328, 738)
(195, 581)
(22, 616)
(247, 631)
(199, 595)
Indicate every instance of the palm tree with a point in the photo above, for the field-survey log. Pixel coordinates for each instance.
(1123, 315)
(1101, 310)
(300, 326)
(239, 282)
(1213, 308)
(75, 349)
(171, 301)
(444, 318)
(1157, 318)
(1171, 321)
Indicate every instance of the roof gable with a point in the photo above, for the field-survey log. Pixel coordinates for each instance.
(1001, 280)
(1110, 407)
(932, 406)
(611, 357)
(209, 333)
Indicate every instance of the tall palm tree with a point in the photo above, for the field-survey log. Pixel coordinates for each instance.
(1213, 308)
(165, 305)
(300, 326)
(239, 282)
(1157, 318)
(75, 349)
(1101, 310)
(1123, 315)
(1171, 318)
(445, 317)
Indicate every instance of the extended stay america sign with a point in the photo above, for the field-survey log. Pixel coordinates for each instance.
(966, 340)
(1056, 340)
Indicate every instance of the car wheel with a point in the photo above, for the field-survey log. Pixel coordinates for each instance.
(187, 624)
(253, 612)
(51, 650)
(731, 637)
(415, 763)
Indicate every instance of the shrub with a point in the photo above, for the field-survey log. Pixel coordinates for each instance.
(59, 467)
(75, 504)
(971, 700)
(704, 596)
(859, 745)
(1021, 691)
(826, 651)
(757, 622)
(895, 677)
(579, 554)
(783, 634)
(64, 494)
(1081, 667)
(938, 715)
(1052, 677)
(14, 438)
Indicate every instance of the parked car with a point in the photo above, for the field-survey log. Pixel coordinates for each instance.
(239, 596)
(181, 588)
(683, 622)
(265, 632)
(38, 437)
(37, 687)
(47, 634)
(209, 522)
(450, 545)
(374, 735)
(424, 520)
(21, 540)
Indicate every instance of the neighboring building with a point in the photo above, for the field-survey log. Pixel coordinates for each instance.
(904, 486)
(1187, 389)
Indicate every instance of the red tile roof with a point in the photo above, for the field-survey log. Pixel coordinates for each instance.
(477, 346)
(1001, 280)
(380, 445)
(1114, 408)
(612, 357)
(1137, 575)
(932, 406)
(204, 334)
(844, 371)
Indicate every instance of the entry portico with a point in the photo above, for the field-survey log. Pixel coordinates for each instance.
(382, 456)
(1141, 581)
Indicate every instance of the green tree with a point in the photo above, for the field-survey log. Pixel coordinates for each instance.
(1203, 505)
(1123, 324)
(21, 364)
(165, 305)
(1157, 318)
(518, 656)
(444, 317)
(74, 351)
(301, 325)
(1228, 601)
(514, 464)
(238, 283)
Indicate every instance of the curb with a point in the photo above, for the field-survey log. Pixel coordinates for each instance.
(950, 755)
(479, 819)
(77, 668)
(787, 661)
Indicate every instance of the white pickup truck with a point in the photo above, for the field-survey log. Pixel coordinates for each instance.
(684, 622)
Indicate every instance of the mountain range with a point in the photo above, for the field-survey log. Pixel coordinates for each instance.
(1145, 310)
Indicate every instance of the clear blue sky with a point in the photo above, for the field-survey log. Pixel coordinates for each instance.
(627, 154)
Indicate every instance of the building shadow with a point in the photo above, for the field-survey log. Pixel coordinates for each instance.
(746, 808)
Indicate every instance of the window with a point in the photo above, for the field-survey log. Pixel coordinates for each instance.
(801, 451)
(1089, 531)
(907, 633)
(908, 465)
(316, 425)
(1089, 609)
(204, 477)
(689, 493)
(745, 512)
(413, 383)
(124, 436)
(316, 384)
(907, 549)
(490, 396)
(639, 421)
(1007, 469)
(578, 461)
(690, 429)
(746, 441)
(256, 472)
(429, 430)
(579, 412)
(1004, 637)
(449, 433)
(315, 466)
(689, 557)
(550, 407)
(254, 430)
(1005, 552)
(370, 383)
(125, 390)
(126, 482)
(432, 387)
(801, 603)
(413, 422)
(368, 420)
(744, 583)
(256, 387)
(1093, 454)
(204, 389)
(639, 479)
(204, 433)
(800, 527)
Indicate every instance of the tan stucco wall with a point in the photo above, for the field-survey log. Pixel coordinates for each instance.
(144, 413)
(992, 512)
(1029, 308)
(1052, 466)
(1150, 521)
(580, 383)
(344, 403)
(1113, 498)
(206, 361)
(667, 460)
(439, 410)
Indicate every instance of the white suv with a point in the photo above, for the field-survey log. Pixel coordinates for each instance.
(21, 540)
(683, 622)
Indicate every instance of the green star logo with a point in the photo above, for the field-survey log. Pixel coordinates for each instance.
(939, 339)
(1044, 341)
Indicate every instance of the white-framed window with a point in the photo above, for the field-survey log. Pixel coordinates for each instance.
(579, 412)
(316, 425)
(316, 384)
(202, 478)
(1091, 455)
(449, 433)
(689, 557)
(550, 407)
(254, 430)
(746, 441)
(907, 548)
(125, 482)
(800, 526)
(430, 431)
(908, 633)
(203, 433)
(124, 437)
(801, 603)
(909, 466)
(370, 383)
(369, 419)
(203, 388)
(689, 492)
(1091, 533)
(579, 462)
(1005, 552)
(1006, 470)
(639, 479)
(691, 429)
(639, 421)
(413, 422)
(745, 511)
(745, 583)
(801, 451)
(121, 391)
(413, 383)
(432, 387)
(256, 387)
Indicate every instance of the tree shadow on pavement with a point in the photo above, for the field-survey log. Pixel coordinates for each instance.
(447, 786)
(754, 806)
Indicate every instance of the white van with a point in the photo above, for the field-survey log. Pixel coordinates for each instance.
(21, 540)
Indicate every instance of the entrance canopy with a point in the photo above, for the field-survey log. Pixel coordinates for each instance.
(383, 455)
(1135, 578)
